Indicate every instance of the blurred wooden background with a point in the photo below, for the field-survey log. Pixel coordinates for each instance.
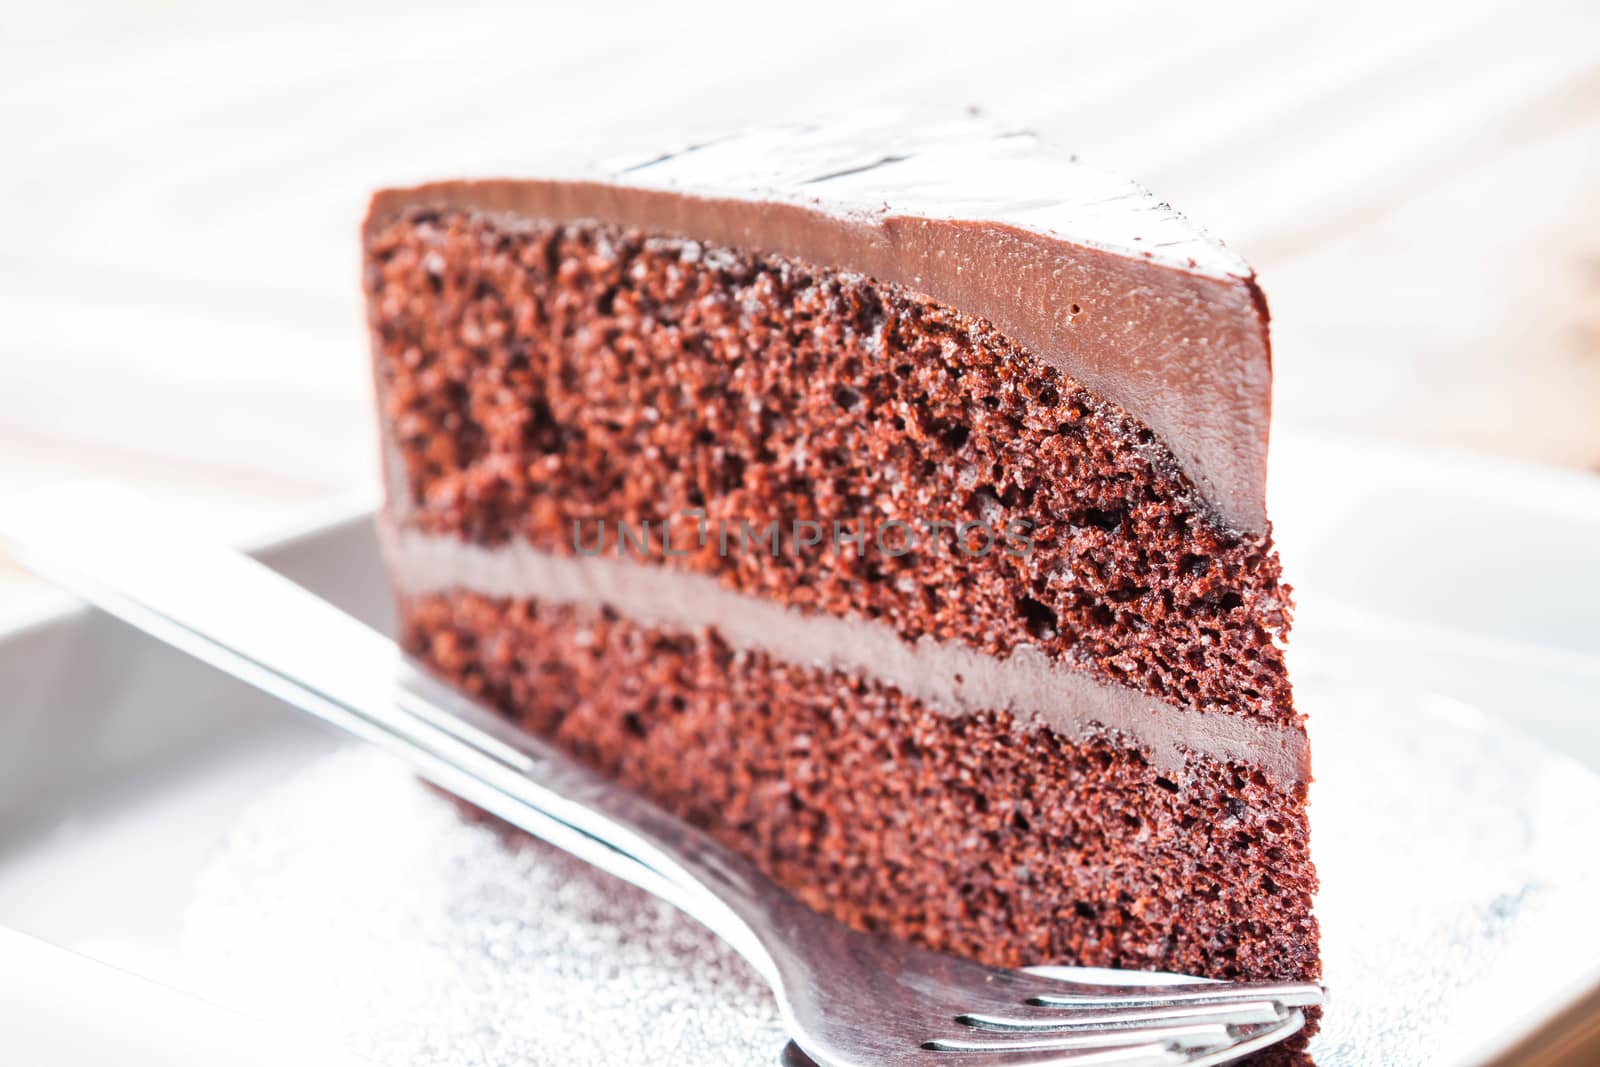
(180, 186)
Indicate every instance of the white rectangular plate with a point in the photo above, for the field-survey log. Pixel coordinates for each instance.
(160, 817)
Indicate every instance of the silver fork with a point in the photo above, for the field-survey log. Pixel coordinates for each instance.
(847, 998)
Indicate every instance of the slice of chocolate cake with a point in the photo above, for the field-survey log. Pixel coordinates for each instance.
(891, 507)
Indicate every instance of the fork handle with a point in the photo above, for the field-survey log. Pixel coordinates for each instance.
(122, 554)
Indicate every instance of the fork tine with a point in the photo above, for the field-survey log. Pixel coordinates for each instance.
(1125, 1056)
(1027, 1018)
(1041, 1052)
(1184, 1035)
(1045, 1054)
(1290, 994)
(1252, 1043)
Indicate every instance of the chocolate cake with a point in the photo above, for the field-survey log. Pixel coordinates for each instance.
(889, 506)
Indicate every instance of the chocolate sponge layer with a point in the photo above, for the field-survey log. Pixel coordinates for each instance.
(965, 834)
(535, 375)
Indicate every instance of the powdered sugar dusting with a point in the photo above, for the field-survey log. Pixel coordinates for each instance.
(1457, 873)
(362, 904)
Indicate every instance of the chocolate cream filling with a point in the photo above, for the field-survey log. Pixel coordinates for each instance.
(950, 677)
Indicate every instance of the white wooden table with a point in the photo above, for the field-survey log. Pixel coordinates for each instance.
(180, 188)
